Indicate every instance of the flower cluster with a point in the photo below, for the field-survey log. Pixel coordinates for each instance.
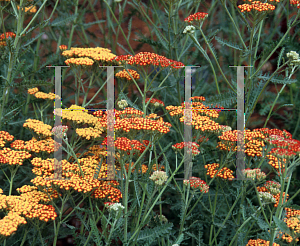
(147, 58)
(266, 197)
(253, 142)
(197, 17)
(33, 90)
(124, 74)
(256, 5)
(295, 2)
(260, 242)
(273, 187)
(193, 147)
(189, 29)
(159, 177)
(155, 102)
(122, 104)
(114, 206)
(5, 137)
(72, 178)
(224, 173)
(254, 174)
(13, 157)
(7, 35)
(196, 183)
(294, 58)
(30, 9)
(33, 145)
(38, 127)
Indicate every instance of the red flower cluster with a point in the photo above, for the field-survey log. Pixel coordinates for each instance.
(196, 17)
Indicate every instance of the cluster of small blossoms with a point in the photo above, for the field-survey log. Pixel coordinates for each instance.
(159, 177)
(294, 224)
(84, 62)
(122, 104)
(196, 183)
(197, 17)
(124, 74)
(13, 157)
(266, 197)
(124, 144)
(254, 174)
(38, 127)
(46, 145)
(256, 5)
(33, 90)
(154, 117)
(42, 95)
(260, 242)
(63, 47)
(98, 55)
(294, 58)
(7, 35)
(30, 9)
(72, 178)
(81, 116)
(5, 137)
(161, 218)
(9, 224)
(295, 2)
(130, 120)
(189, 29)
(273, 187)
(224, 173)
(155, 102)
(147, 58)
(114, 206)
(59, 131)
(193, 147)
(253, 142)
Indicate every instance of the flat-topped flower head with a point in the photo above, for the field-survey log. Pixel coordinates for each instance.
(80, 62)
(255, 174)
(257, 6)
(197, 17)
(5, 137)
(124, 74)
(38, 127)
(147, 59)
(197, 183)
(159, 177)
(260, 242)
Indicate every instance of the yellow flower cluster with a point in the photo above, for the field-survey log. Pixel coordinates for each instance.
(81, 116)
(224, 173)
(5, 137)
(13, 157)
(33, 90)
(47, 145)
(30, 9)
(72, 179)
(98, 54)
(79, 61)
(43, 95)
(38, 127)
(26, 205)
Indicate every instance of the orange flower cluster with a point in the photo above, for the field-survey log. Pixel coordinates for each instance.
(295, 2)
(46, 145)
(253, 142)
(72, 179)
(30, 9)
(277, 197)
(292, 212)
(5, 137)
(122, 59)
(196, 17)
(196, 183)
(154, 117)
(79, 61)
(26, 205)
(147, 58)
(50, 96)
(292, 221)
(225, 172)
(260, 242)
(125, 144)
(32, 91)
(155, 102)
(128, 119)
(191, 145)
(7, 35)
(63, 47)
(201, 117)
(124, 74)
(256, 5)
(38, 127)
(13, 157)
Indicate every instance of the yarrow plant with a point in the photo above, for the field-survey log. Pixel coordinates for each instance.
(144, 100)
